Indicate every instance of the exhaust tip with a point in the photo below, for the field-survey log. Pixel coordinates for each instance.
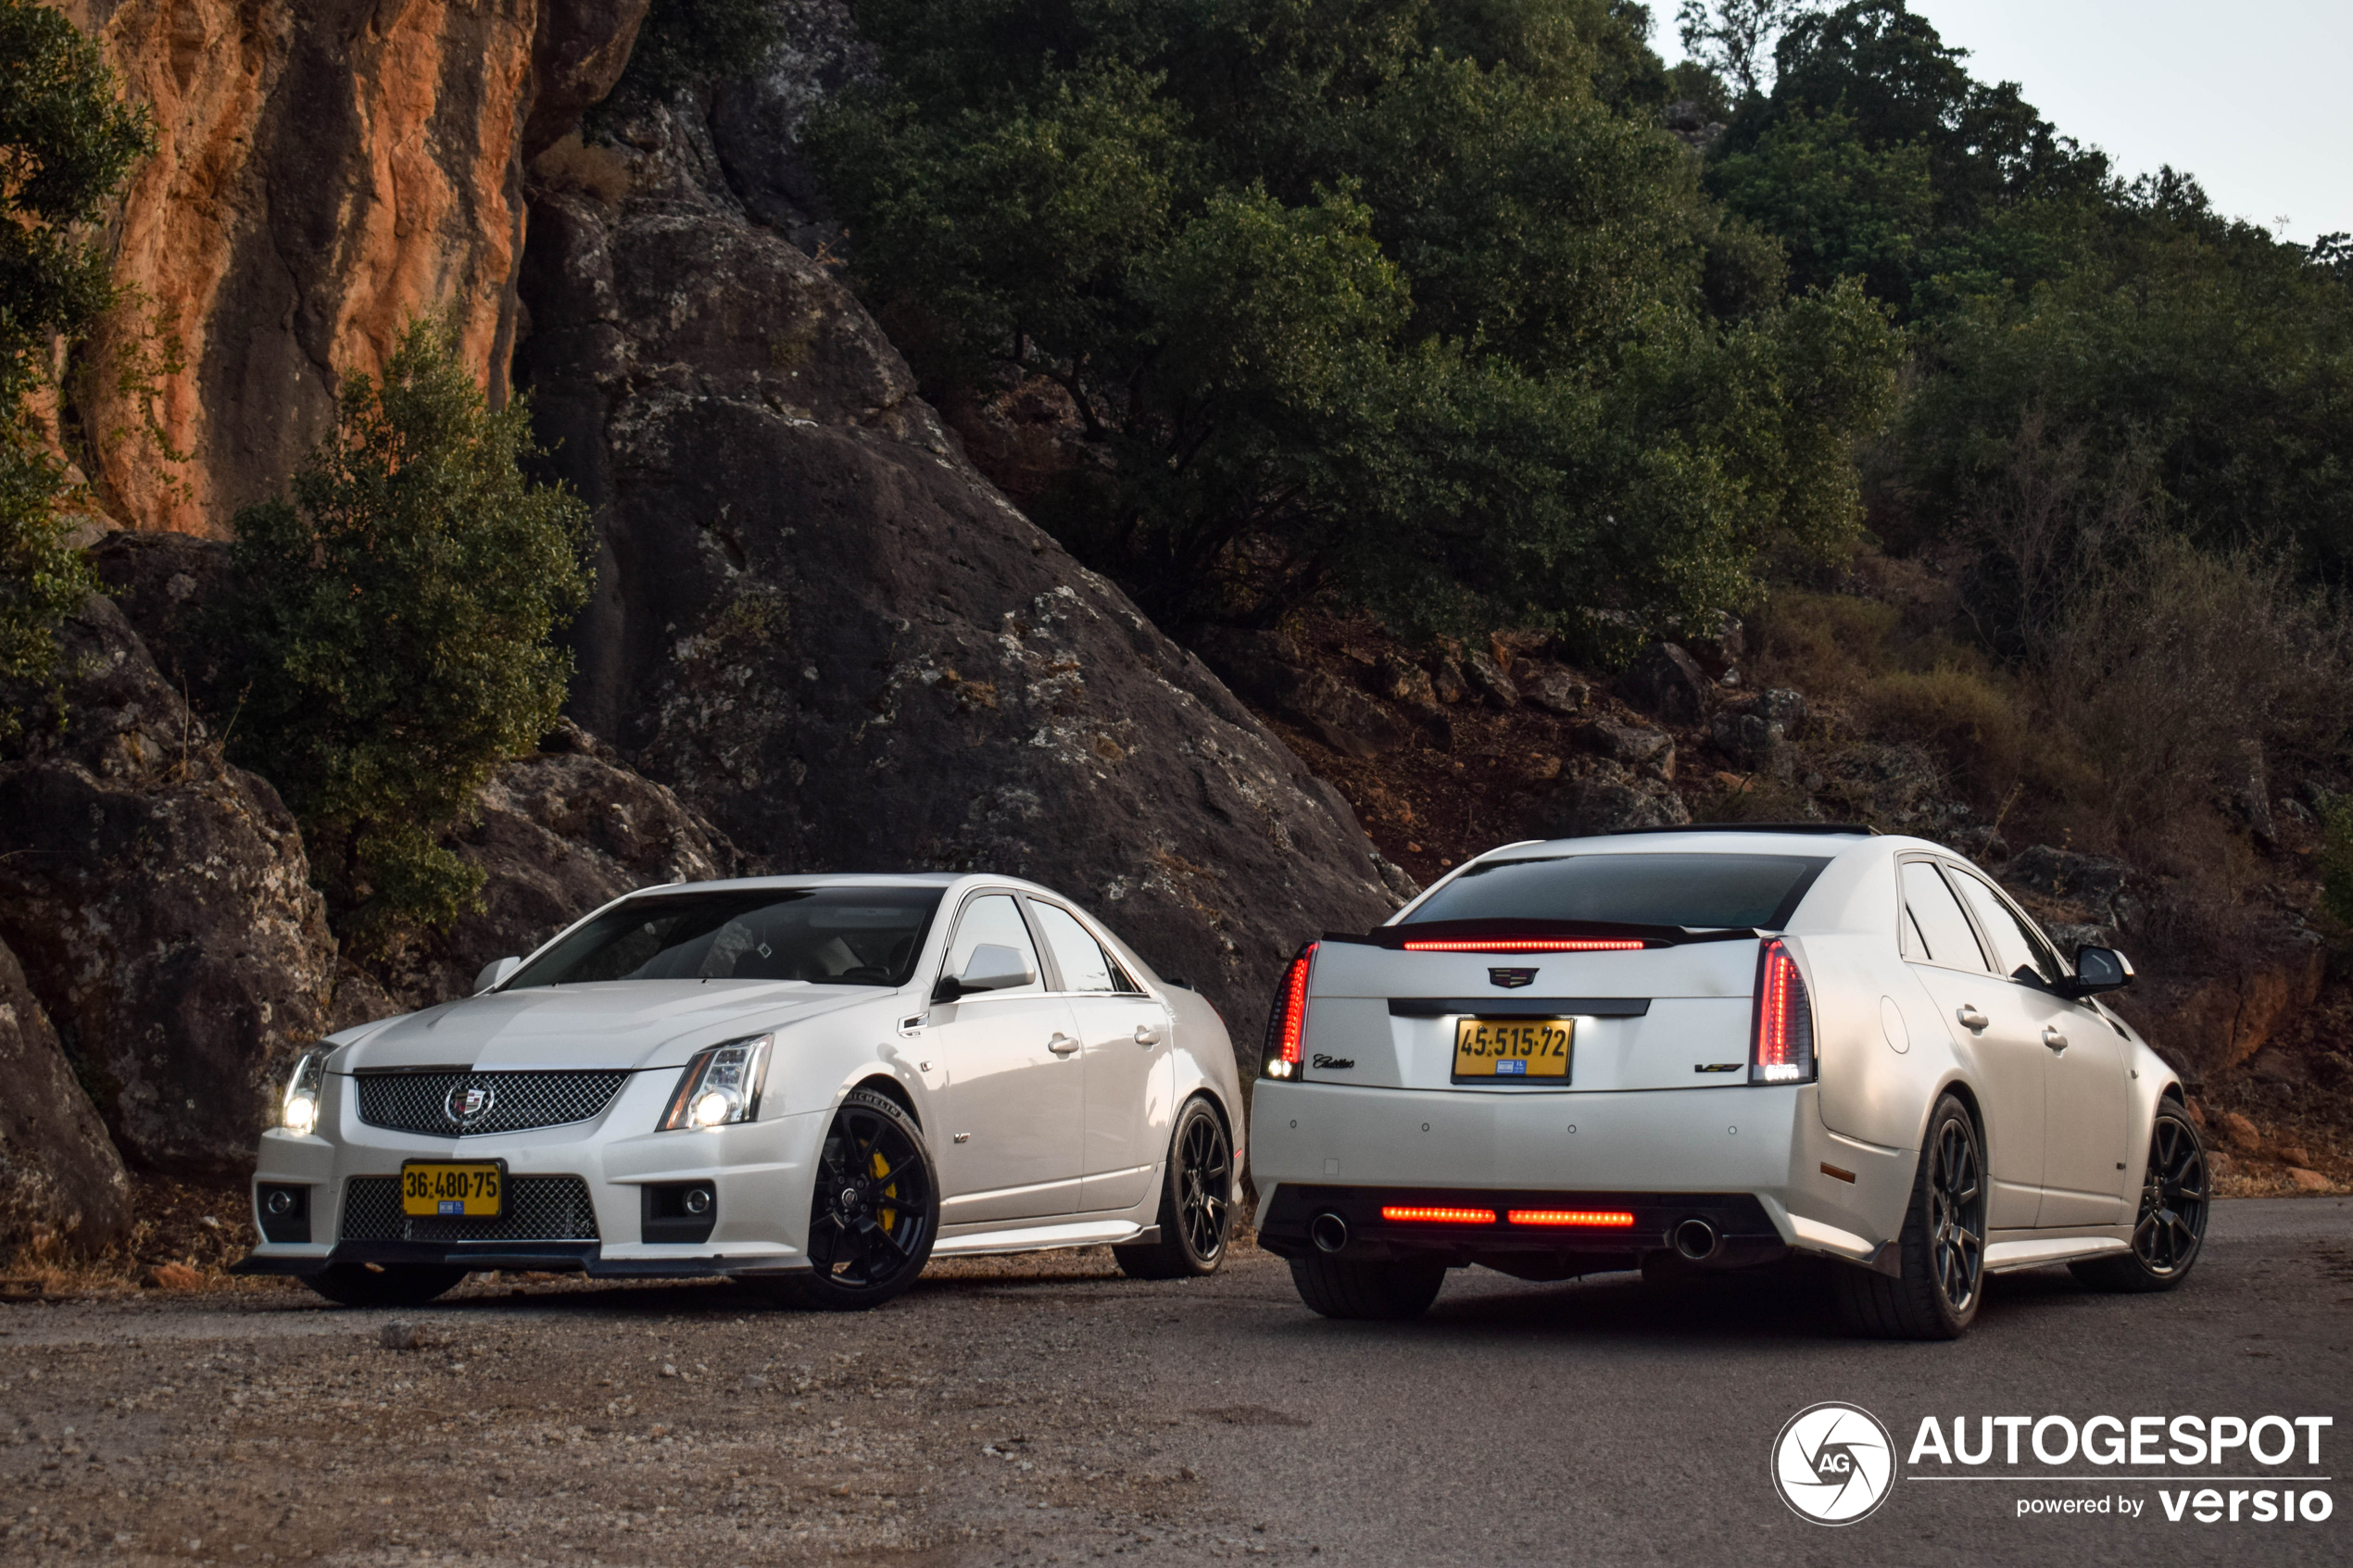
(1328, 1230)
(1695, 1239)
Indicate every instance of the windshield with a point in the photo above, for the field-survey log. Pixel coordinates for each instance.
(827, 936)
(1694, 890)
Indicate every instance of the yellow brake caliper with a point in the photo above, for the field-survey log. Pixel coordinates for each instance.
(889, 1215)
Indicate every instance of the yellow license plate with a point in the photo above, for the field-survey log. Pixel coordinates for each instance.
(1513, 1048)
(471, 1190)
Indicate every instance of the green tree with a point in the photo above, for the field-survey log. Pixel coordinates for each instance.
(683, 43)
(1394, 298)
(67, 143)
(395, 631)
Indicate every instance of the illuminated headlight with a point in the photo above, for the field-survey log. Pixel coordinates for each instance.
(298, 1109)
(720, 1086)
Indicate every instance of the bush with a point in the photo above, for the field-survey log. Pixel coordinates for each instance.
(684, 43)
(66, 146)
(395, 631)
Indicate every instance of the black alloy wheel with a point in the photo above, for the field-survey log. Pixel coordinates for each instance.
(364, 1285)
(1195, 1202)
(2170, 1230)
(1941, 1253)
(875, 1210)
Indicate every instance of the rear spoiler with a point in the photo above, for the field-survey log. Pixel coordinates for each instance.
(1394, 937)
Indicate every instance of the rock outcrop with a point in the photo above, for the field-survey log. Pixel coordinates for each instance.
(159, 901)
(62, 1183)
(325, 170)
(826, 632)
(556, 835)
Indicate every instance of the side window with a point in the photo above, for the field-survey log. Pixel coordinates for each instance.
(2019, 947)
(1085, 965)
(1943, 930)
(993, 920)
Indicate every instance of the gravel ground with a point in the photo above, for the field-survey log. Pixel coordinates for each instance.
(1042, 1408)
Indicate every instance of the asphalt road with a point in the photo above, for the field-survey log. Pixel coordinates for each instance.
(1043, 1409)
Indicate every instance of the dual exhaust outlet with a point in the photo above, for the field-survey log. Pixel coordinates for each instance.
(1695, 1240)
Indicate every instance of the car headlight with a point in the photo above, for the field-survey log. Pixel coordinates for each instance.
(720, 1086)
(299, 1109)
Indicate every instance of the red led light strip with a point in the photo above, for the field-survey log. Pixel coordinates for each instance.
(1603, 1218)
(1397, 1216)
(1295, 1003)
(1532, 944)
(1773, 1008)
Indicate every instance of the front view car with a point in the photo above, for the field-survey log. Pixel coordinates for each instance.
(1698, 1049)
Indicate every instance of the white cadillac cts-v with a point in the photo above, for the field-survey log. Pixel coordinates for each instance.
(814, 1081)
(1696, 1048)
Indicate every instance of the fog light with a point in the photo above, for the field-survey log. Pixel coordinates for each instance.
(302, 1114)
(280, 1201)
(714, 1108)
(698, 1200)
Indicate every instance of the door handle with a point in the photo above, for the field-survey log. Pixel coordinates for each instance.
(1062, 1044)
(2054, 1038)
(1147, 1036)
(1972, 1019)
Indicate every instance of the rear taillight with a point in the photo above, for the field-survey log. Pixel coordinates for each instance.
(1529, 945)
(1597, 1218)
(1781, 1045)
(1401, 1215)
(1287, 1020)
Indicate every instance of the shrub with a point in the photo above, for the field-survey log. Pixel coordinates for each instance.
(65, 145)
(395, 631)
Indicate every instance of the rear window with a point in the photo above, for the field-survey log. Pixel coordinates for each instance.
(1693, 890)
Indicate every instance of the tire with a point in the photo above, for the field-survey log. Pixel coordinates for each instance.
(1942, 1250)
(356, 1285)
(1196, 1210)
(2169, 1231)
(1395, 1292)
(873, 1209)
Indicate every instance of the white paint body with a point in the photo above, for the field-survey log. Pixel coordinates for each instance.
(2065, 1127)
(1034, 1147)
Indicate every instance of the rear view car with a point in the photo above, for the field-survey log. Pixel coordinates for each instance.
(1711, 1049)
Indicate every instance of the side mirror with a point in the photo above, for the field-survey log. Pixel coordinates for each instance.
(495, 973)
(992, 968)
(2097, 970)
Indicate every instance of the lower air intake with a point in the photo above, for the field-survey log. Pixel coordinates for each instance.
(537, 1209)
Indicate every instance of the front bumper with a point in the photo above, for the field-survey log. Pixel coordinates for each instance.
(1658, 1153)
(759, 1175)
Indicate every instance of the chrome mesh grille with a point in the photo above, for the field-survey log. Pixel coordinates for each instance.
(418, 1102)
(537, 1209)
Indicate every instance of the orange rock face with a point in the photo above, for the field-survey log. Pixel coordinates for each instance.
(326, 170)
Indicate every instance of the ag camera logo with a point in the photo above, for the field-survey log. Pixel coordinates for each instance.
(1833, 1463)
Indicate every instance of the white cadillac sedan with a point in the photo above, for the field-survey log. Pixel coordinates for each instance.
(814, 1081)
(1693, 1049)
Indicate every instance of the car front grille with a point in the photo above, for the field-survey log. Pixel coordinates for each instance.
(422, 1102)
(536, 1208)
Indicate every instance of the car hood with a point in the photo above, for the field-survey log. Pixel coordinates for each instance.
(625, 1024)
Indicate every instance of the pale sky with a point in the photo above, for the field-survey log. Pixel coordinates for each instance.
(2248, 96)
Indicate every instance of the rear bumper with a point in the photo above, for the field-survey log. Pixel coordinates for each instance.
(1739, 1232)
(1648, 1150)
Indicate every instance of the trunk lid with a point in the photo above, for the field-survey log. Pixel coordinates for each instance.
(1657, 1018)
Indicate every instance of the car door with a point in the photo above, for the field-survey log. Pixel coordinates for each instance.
(1009, 1131)
(1942, 949)
(2083, 1087)
(1125, 1033)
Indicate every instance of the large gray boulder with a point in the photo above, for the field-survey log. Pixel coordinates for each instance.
(818, 624)
(160, 903)
(62, 1186)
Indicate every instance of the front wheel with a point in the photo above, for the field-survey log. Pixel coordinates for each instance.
(361, 1284)
(875, 1210)
(1194, 1202)
(2169, 1231)
(1942, 1250)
